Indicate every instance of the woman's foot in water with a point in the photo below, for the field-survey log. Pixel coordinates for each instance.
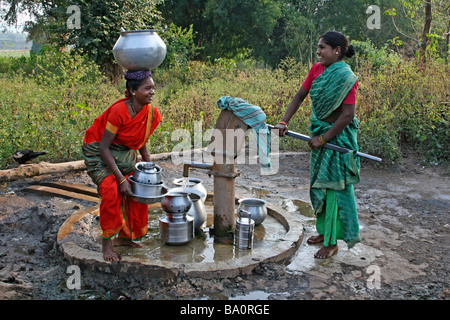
(108, 250)
(315, 239)
(126, 242)
(326, 252)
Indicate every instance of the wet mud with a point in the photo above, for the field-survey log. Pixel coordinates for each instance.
(403, 213)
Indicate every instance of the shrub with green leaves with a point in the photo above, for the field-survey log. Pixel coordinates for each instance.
(49, 101)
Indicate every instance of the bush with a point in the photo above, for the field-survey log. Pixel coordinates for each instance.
(51, 110)
(400, 105)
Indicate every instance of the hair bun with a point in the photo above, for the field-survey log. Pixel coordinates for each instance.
(350, 51)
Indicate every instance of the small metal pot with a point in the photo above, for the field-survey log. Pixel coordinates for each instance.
(147, 172)
(176, 202)
(256, 207)
(147, 193)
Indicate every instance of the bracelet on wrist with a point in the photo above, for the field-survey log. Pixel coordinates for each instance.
(282, 122)
(322, 139)
(122, 181)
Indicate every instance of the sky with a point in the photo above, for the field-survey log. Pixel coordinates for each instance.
(21, 20)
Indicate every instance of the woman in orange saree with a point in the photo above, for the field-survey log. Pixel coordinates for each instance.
(110, 151)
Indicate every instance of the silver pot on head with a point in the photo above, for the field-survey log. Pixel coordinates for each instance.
(139, 50)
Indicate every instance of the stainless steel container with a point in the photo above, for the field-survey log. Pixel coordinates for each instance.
(193, 183)
(197, 211)
(147, 193)
(139, 50)
(176, 202)
(147, 173)
(256, 207)
(245, 227)
(176, 230)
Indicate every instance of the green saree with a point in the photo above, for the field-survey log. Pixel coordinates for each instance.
(332, 174)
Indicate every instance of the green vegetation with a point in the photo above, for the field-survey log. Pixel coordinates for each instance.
(258, 50)
(49, 100)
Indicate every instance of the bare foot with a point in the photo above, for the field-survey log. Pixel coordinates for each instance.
(126, 242)
(108, 250)
(326, 252)
(315, 239)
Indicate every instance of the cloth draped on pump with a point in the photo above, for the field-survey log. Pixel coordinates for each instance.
(332, 174)
(119, 214)
(255, 118)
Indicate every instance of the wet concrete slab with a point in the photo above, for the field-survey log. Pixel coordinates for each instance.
(275, 240)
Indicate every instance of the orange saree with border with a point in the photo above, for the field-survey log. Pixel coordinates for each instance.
(119, 214)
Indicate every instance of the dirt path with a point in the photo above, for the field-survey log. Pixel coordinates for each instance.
(403, 212)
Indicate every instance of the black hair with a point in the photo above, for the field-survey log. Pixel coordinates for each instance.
(335, 39)
(133, 84)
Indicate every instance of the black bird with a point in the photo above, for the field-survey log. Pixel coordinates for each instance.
(23, 156)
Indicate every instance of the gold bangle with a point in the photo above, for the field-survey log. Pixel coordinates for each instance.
(322, 139)
(282, 122)
(122, 181)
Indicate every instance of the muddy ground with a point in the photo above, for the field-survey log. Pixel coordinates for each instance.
(404, 253)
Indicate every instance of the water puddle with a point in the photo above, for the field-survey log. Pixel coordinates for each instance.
(202, 248)
(252, 295)
(302, 208)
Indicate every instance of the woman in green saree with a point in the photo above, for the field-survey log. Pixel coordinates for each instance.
(332, 87)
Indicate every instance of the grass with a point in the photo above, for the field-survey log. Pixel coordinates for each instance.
(49, 101)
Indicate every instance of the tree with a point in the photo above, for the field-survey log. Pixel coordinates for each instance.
(426, 29)
(99, 25)
(241, 24)
(428, 26)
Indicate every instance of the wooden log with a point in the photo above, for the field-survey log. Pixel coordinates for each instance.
(30, 170)
(78, 188)
(68, 225)
(60, 193)
(37, 169)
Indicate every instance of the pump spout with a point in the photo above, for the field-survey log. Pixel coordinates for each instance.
(198, 165)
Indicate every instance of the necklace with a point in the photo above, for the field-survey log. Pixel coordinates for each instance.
(132, 107)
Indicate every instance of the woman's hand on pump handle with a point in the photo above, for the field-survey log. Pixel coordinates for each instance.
(315, 142)
(282, 128)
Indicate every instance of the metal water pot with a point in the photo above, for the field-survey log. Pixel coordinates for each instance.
(245, 227)
(176, 202)
(193, 183)
(139, 50)
(257, 207)
(177, 231)
(177, 228)
(198, 210)
(147, 173)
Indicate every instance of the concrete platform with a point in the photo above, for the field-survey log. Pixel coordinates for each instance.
(275, 240)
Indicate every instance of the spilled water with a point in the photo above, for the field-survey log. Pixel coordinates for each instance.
(301, 208)
(202, 248)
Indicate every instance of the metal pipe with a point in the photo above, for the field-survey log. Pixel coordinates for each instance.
(328, 145)
(199, 165)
